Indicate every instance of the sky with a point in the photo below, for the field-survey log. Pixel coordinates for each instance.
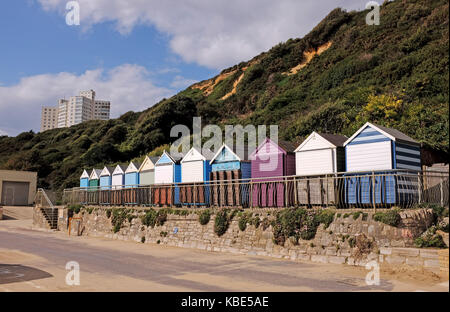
(136, 52)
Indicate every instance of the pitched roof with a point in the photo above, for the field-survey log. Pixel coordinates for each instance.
(85, 174)
(398, 135)
(287, 146)
(136, 164)
(123, 167)
(154, 159)
(391, 133)
(335, 139)
(97, 172)
(110, 169)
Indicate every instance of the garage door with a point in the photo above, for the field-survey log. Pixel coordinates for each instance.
(370, 156)
(192, 171)
(15, 193)
(315, 162)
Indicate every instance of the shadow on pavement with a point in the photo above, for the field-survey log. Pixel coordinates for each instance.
(15, 273)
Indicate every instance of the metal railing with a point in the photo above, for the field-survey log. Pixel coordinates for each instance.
(43, 202)
(374, 189)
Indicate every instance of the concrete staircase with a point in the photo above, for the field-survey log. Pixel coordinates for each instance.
(47, 209)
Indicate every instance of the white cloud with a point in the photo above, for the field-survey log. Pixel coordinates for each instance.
(128, 87)
(2, 132)
(215, 33)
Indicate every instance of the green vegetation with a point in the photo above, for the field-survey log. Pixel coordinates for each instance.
(430, 239)
(74, 209)
(391, 217)
(299, 223)
(395, 74)
(119, 215)
(154, 218)
(326, 216)
(204, 217)
(222, 221)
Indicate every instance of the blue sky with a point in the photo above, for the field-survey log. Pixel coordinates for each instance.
(133, 52)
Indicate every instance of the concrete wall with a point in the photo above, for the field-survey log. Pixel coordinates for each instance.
(20, 176)
(390, 245)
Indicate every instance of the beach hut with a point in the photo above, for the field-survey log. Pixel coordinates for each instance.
(94, 178)
(147, 171)
(146, 179)
(84, 179)
(84, 185)
(131, 183)
(117, 183)
(195, 170)
(375, 153)
(317, 159)
(105, 185)
(230, 171)
(167, 176)
(94, 183)
(272, 161)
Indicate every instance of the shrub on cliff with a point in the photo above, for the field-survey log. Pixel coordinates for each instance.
(149, 218)
(326, 216)
(118, 217)
(75, 208)
(204, 217)
(221, 222)
(430, 239)
(391, 217)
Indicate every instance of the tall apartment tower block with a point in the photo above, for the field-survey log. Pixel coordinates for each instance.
(75, 110)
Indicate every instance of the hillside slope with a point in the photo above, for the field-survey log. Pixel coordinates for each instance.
(340, 75)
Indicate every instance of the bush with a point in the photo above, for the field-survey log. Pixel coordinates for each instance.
(75, 208)
(244, 219)
(143, 239)
(326, 216)
(149, 218)
(392, 217)
(430, 239)
(221, 222)
(204, 217)
(118, 217)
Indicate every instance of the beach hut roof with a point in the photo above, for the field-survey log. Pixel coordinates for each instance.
(335, 140)
(393, 134)
(283, 146)
(107, 171)
(242, 153)
(120, 169)
(174, 158)
(151, 159)
(205, 154)
(84, 175)
(133, 167)
(95, 174)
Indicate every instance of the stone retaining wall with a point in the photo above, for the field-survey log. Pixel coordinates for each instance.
(345, 241)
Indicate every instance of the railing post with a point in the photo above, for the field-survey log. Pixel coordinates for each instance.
(373, 191)
(194, 191)
(251, 194)
(295, 191)
(286, 201)
(419, 186)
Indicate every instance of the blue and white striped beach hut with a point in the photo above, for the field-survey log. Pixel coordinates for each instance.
(379, 151)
